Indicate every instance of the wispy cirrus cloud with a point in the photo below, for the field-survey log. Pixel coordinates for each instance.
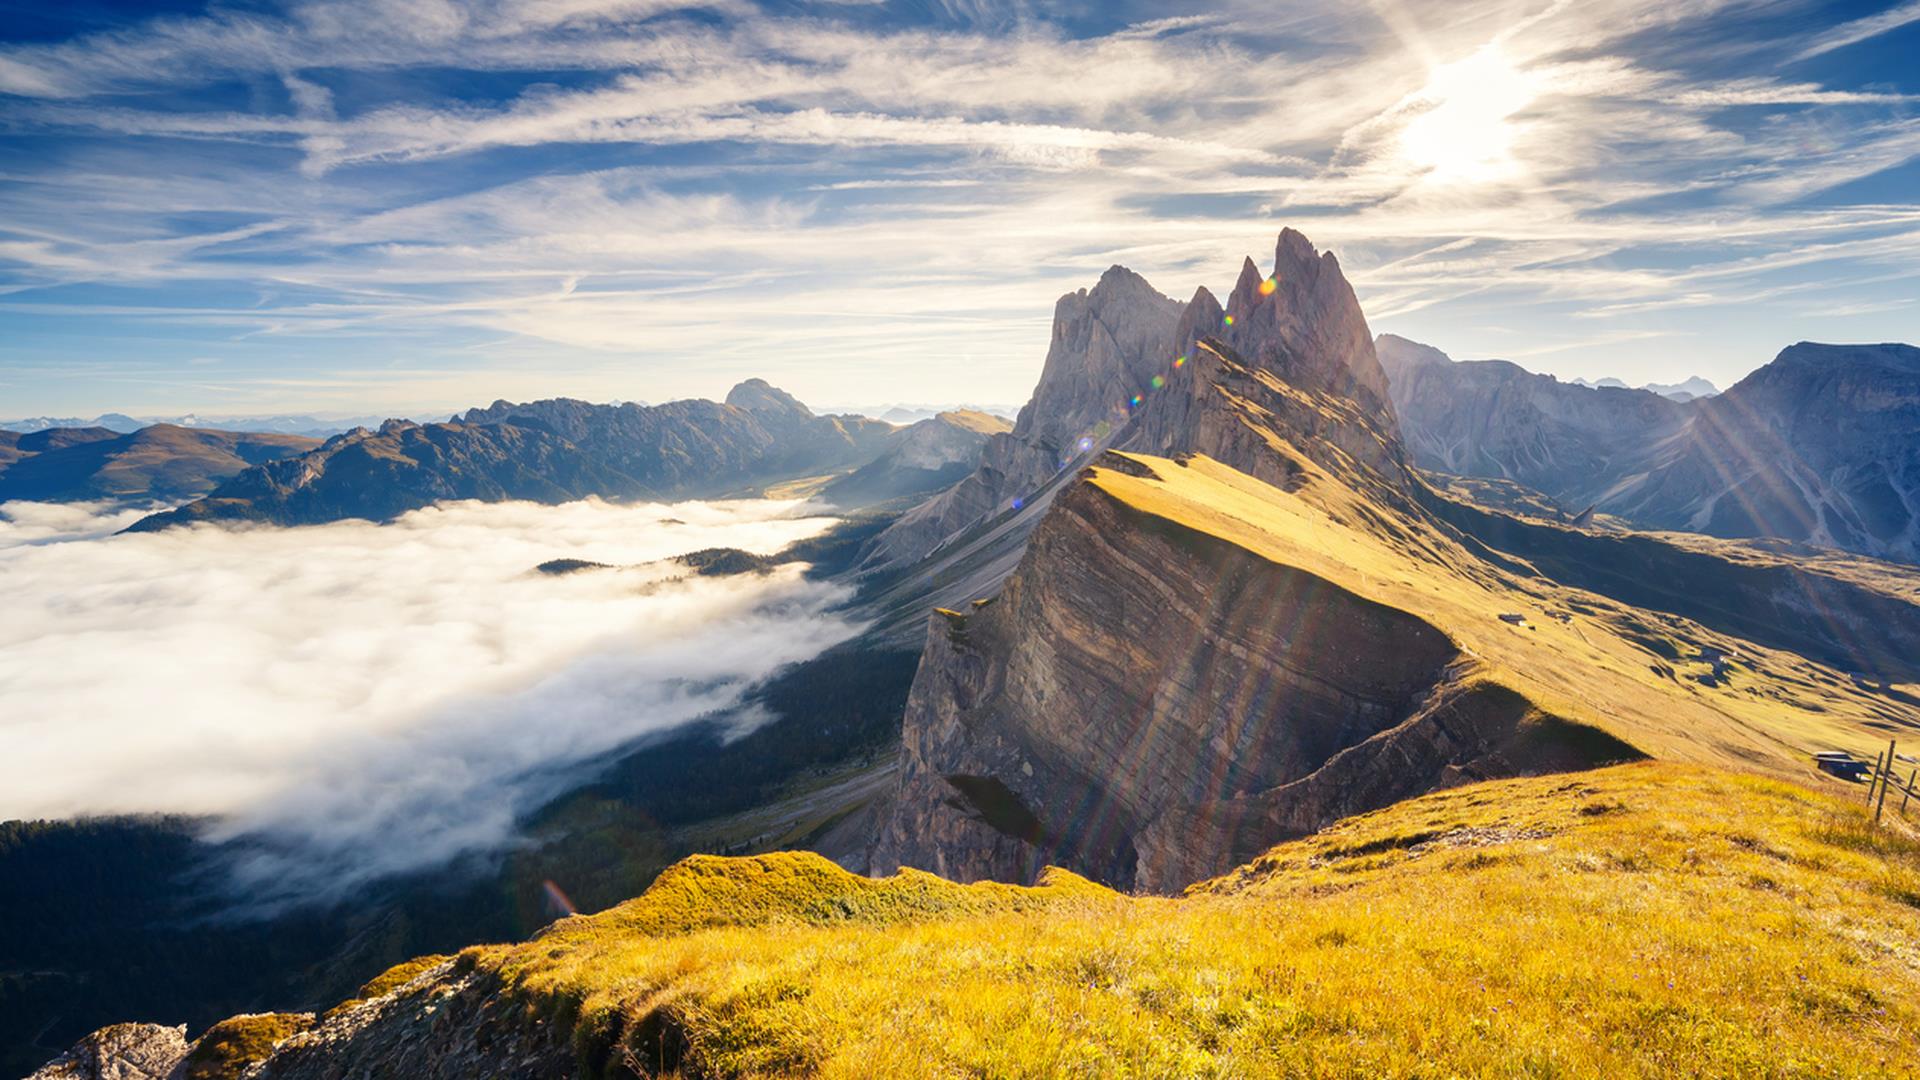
(611, 184)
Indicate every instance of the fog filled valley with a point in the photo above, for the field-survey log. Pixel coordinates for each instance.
(364, 700)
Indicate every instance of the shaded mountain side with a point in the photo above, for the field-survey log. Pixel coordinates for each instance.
(1493, 418)
(1856, 617)
(1820, 446)
(160, 462)
(1106, 345)
(1648, 919)
(546, 451)
(928, 456)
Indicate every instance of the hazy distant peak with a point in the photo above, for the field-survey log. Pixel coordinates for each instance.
(759, 395)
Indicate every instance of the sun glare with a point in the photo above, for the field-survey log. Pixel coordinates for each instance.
(1467, 134)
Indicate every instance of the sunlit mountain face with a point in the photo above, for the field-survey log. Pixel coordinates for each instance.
(410, 207)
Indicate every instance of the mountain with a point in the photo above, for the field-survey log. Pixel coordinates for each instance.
(1107, 343)
(1820, 446)
(117, 423)
(1693, 386)
(928, 456)
(1686, 390)
(546, 451)
(1258, 618)
(1496, 419)
(160, 462)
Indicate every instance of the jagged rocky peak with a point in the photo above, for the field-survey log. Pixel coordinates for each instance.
(758, 395)
(1302, 321)
(1107, 342)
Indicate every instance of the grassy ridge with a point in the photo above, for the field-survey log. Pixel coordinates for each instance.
(1645, 920)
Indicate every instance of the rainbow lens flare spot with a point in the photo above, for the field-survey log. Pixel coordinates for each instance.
(1158, 382)
(1228, 320)
(1134, 401)
(1267, 286)
(1180, 361)
(1086, 444)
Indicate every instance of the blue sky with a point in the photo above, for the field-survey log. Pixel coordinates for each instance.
(408, 206)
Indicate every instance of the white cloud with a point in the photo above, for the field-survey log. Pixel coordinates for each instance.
(366, 699)
(1852, 33)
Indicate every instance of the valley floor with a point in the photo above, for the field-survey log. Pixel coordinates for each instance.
(1649, 919)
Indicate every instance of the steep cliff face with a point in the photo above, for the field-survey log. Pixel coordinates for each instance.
(1136, 678)
(1107, 344)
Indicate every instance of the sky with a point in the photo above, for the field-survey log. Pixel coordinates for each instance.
(411, 206)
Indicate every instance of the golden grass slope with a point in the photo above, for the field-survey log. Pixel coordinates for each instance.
(1669, 686)
(1650, 919)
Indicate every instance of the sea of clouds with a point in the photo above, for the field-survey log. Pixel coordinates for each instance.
(357, 700)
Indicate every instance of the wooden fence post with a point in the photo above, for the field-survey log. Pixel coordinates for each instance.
(1873, 777)
(1882, 804)
(1908, 794)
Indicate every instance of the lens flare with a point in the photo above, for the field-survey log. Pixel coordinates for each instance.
(1134, 401)
(1228, 320)
(1086, 444)
(1180, 361)
(1158, 382)
(1267, 287)
(558, 899)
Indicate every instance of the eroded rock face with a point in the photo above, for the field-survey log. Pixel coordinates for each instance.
(1149, 705)
(1107, 344)
(121, 1052)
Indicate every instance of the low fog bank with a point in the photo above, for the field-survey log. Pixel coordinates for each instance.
(353, 700)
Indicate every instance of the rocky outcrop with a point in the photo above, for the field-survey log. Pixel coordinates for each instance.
(1107, 345)
(157, 462)
(928, 456)
(546, 451)
(121, 1052)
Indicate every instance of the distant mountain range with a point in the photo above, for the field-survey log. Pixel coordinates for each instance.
(312, 426)
(1685, 390)
(159, 462)
(1822, 445)
(562, 449)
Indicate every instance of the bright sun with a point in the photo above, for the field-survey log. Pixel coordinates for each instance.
(1467, 133)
